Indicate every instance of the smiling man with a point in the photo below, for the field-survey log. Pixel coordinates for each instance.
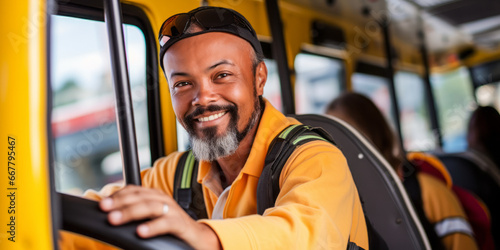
(212, 60)
(216, 96)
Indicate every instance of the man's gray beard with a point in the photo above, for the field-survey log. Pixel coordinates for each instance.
(210, 150)
(213, 147)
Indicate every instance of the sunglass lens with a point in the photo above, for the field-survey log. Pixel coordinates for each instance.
(175, 26)
(213, 18)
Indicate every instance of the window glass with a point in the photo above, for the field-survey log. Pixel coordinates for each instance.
(183, 143)
(85, 135)
(272, 89)
(489, 95)
(377, 89)
(453, 93)
(318, 82)
(414, 113)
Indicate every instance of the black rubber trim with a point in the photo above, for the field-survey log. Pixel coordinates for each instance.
(278, 47)
(389, 55)
(429, 95)
(84, 217)
(370, 69)
(55, 208)
(325, 34)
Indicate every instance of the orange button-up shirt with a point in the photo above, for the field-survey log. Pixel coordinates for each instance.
(318, 206)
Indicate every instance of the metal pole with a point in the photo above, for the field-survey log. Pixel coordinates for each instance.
(390, 76)
(279, 54)
(124, 109)
(432, 108)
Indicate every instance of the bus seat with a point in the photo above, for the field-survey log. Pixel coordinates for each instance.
(469, 165)
(471, 171)
(385, 201)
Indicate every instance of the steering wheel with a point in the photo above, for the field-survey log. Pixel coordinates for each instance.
(84, 217)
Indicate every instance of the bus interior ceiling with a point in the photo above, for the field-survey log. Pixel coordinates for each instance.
(449, 26)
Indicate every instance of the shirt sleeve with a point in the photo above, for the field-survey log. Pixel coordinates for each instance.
(161, 175)
(442, 208)
(315, 209)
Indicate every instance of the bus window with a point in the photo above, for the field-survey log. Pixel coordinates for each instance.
(414, 113)
(489, 95)
(85, 136)
(183, 143)
(454, 100)
(272, 89)
(377, 89)
(319, 80)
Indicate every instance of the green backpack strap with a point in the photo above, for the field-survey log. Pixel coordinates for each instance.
(278, 153)
(187, 191)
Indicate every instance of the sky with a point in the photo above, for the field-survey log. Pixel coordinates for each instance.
(80, 52)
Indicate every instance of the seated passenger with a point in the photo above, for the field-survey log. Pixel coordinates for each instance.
(483, 139)
(483, 134)
(477, 212)
(212, 60)
(432, 200)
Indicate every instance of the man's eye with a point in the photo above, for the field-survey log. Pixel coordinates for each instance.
(222, 75)
(181, 84)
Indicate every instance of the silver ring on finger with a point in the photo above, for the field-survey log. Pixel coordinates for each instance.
(164, 209)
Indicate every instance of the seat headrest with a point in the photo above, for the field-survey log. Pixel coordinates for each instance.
(431, 165)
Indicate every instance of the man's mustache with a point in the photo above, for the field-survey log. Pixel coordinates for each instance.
(212, 108)
(189, 119)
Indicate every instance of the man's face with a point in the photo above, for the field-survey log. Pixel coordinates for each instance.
(212, 84)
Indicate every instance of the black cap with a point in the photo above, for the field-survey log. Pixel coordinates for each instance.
(236, 25)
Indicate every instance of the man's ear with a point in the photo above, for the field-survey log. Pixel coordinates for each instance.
(260, 78)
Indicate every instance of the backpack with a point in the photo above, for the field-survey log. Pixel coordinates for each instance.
(412, 187)
(188, 192)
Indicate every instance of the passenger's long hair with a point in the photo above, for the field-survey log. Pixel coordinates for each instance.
(484, 132)
(361, 113)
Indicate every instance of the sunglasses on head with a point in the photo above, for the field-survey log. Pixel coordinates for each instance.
(209, 18)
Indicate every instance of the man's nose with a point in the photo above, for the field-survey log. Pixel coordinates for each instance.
(205, 95)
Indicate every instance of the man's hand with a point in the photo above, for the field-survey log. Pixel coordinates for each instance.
(166, 216)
